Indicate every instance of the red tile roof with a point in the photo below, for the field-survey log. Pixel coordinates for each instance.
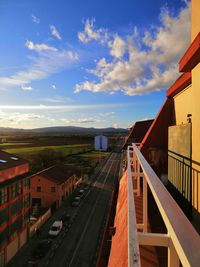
(138, 131)
(8, 160)
(58, 173)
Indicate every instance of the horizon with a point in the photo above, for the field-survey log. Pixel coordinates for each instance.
(65, 126)
(77, 65)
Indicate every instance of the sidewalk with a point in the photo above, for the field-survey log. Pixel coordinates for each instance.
(24, 254)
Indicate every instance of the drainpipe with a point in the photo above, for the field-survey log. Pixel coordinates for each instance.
(189, 118)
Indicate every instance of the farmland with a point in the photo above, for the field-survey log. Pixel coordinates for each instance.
(43, 151)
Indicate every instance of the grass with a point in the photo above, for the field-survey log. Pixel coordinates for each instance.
(65, 149)
(8, 144)
(95, 154)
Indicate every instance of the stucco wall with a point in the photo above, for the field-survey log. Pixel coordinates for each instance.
(195, 18)
(47, 197)
(183, 105)
(188, 102)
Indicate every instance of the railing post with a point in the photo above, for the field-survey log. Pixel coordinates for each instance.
(138, 177)
(173, 259)
(145, 205)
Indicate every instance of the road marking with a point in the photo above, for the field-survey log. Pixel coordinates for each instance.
(88, 221)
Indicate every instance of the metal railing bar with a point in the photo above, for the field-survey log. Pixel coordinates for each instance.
(184, 237)
(133, 247)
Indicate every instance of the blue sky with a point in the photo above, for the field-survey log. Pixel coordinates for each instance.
(88, 63)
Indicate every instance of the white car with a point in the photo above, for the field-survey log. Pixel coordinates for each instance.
(56, 228)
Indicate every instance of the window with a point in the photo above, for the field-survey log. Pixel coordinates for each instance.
(16, 226)
(26, 183)
(53, 189)
(3, 215)
(16, 189)
(27, 201)
(26, 217)
(16, 207)
(3, 236)
(38, 188)
(3, 195)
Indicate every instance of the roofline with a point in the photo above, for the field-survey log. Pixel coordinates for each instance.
(151, 127)
(181, 83)
(48, 177)
(191, 57)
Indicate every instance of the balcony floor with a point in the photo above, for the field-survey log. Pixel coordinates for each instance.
(149, 255)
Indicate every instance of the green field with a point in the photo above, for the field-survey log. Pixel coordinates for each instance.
(64, 149)
(8, 144)
(95, 154)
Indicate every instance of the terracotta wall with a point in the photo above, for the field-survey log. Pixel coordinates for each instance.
(13, 172)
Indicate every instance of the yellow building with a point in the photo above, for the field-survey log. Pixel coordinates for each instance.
(184, 136)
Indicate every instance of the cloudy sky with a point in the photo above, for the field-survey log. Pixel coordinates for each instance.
(88, 63)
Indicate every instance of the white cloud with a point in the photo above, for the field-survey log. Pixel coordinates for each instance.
(55, 100)
(39, 47)
(42, 65)
(90, 33)
(63, 107)
(79, 121)
(35, 19)
(151, 61)
(73, 55)
(27, 88)
(118, 47)
(115, 125)
(15, 119)
(107, 114)
(55, 32)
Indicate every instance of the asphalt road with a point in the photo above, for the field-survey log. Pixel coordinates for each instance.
(80, 244)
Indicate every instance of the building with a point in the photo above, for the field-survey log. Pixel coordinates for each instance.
(49, 188)
(171, 145)
(14, 205)
(101, 142)
(137, 132)
(150, 228)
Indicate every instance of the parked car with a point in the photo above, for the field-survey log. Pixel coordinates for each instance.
(55, 228)
(42, 248)
(31, 263)
(75, 202)
(65, 218)
(81, 191)
(77, 198)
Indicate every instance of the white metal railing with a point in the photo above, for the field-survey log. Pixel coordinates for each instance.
(133, 247)
(182, 241)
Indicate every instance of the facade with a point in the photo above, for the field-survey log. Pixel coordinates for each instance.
(101, 142)
(137, 132)
(49, 188)
(171, 147)
(15, 205)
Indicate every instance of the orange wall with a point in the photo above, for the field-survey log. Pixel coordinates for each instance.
(119, 248)
(47, 197)
(195, 18)
(13, 172)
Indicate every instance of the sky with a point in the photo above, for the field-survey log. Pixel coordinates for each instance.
(88, 63)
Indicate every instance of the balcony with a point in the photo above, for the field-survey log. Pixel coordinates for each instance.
(133, 230)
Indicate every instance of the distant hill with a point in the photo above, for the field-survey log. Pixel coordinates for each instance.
(63, 129)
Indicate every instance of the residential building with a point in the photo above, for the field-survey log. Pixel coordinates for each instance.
(137, 132)
(14, 205)
(150, 228)
(101, 142)
(50, 187)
